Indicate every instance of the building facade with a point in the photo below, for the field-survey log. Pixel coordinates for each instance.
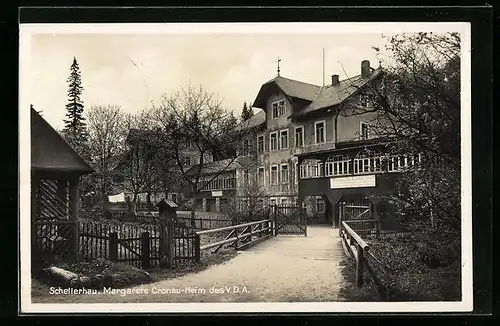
(307, 147)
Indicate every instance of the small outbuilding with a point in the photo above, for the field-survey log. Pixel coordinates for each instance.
(56, 169)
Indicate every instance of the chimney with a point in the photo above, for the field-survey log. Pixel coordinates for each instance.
(335, 80)
(365, 68)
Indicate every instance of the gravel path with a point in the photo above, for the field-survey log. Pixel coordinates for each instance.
(281, 269)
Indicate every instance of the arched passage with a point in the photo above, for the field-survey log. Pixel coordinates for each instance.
(317, 209)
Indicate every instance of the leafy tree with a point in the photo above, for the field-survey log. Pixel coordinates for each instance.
(75, 128)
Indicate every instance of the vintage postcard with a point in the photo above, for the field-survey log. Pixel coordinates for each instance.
(245, 167)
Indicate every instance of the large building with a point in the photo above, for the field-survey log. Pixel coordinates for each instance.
(306, 148)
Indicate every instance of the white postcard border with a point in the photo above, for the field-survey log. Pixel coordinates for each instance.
(26, 30)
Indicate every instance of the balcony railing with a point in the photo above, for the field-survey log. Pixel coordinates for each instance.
(360, 166)
(283, 188)
(315, 148)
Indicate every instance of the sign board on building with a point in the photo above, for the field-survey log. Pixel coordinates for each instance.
(217, 193)
(353, 182)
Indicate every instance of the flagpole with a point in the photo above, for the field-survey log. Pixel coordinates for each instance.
(323, 67)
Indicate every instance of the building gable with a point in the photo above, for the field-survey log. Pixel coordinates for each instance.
(50, 152)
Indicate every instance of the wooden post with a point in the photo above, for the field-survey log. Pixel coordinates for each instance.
(273, 223)
(163, 244)
(197, 250)
(341, 213)
(237, 238)
(35, 184)
(74, 199)
(375, 218)
(113, 246)
(146, 252)
(170, 243)
(304, 218)
(359, 265)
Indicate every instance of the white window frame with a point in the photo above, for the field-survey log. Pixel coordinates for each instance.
(315, 132)
(297, 172)
(302, 136)
(246, 147)
(263, 143)
(337, 165)
(287, 173)
(271, 139)
(271, 181)
(287, 139)
(262, 181)
(281, 110)
(186, 159)
(361, 123)
(320, 203)
(246, 177)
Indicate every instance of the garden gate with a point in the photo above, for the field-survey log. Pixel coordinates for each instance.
(289, 220)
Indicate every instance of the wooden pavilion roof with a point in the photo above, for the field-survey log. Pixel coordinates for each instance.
(50, 152)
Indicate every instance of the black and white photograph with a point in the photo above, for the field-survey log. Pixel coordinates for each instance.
(232, 167)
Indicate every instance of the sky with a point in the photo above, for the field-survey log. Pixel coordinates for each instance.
(131, 69)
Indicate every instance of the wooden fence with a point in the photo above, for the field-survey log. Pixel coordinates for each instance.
(53, 238)
(355, 247)
(205, 223)
(239, 236)
(143, 245)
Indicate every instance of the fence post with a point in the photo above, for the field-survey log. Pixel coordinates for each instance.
(359, 265)
(197, 250)
(274, 219)
(237, 238)
(163, 244)
(170, 243)
(75, 236)
(375, 217)
(341, 213)
(304, 218)
(340, 232)
(113, 246)
(145, 259)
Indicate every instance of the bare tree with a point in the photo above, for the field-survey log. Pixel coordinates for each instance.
(415, 100)
(138, 164)
(106, 135)
(252, 198)
(196, 117)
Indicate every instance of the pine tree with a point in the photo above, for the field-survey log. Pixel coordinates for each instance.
(247, 112)
(75, 127)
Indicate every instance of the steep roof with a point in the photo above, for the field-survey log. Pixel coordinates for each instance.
(225, 165)
(334, 95)
(50, 152)
(254, 121)
(290, 87)
(319, 97)
(228, 164)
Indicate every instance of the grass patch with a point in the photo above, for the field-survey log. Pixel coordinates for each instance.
(94, 274)
(415, 268)
(159, 274)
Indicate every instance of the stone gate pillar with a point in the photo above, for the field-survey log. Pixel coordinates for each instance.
(217, 204)
(204, 205)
